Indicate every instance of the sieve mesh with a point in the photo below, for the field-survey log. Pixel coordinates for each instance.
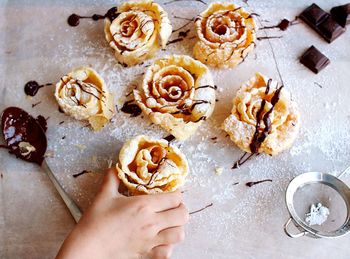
(319, 192)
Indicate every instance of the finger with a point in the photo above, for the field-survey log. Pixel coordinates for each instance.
(173, 217)
(164, 201)
(110, 183)
(171, 236)
(161, 252)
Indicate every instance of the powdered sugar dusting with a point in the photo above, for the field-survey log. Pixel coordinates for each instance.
(241, 217)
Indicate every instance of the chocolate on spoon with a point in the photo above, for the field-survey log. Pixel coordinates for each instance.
(24, 135)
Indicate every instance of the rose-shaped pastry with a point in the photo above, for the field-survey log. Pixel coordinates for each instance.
(148, 165)
(226, 35)
(136, 30)
(177, 93)
(263, 117)
(83, 95)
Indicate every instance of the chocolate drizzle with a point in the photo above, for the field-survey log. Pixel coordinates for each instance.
(268, 37)
(261, 134)
(183, 18)
(250, 184)
(207, 86)
(74, 19)
(155, 173)
(24, 135)
(81, 173)
(131, 108)
(196, 211)
(243, 159)
(174, 41)
(112, 14)
(35, 104)
(170, 138)
(184, 34)
(283, 25)
(183, 26)
(31, 88)
(84, 88)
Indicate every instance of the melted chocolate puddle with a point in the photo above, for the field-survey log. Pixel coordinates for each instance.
(250, 184)
(131, 108)
(31, 88)
(74, 19)
(24, 135)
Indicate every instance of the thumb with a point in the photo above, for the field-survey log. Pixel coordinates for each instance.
(111, 183)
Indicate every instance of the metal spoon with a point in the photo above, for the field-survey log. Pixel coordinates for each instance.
(71, 205)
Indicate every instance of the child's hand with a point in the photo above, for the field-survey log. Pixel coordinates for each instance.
(116, 226)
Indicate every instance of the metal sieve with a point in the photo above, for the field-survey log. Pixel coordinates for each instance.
(312, 188)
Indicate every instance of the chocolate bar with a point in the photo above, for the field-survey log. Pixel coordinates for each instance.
(330, 29)
(341, 14)
(322, 22)
(314, 60)
(313, 15)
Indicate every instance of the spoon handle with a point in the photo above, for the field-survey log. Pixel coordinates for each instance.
(71, 205)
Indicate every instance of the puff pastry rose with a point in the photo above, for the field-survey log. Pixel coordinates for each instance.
(136, 30)
(263, 117)
(83, 95)
(147, 165)
(226, 35)
(177, 93)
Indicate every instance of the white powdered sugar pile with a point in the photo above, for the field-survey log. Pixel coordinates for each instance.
(318, 214)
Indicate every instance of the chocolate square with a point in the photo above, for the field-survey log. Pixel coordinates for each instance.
(330, 29)
(321, 22)
(314, 60)
(313, 15)
(341, 14)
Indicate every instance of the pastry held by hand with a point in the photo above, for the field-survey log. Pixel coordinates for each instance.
(177, 93)
(83, 95)
(147, 165)
(136, 30)
(226, 35)
(263, 119)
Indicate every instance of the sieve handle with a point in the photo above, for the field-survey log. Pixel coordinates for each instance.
(347, 170)
(287, 231)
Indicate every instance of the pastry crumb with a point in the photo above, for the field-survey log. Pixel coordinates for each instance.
(219, 170)
(81, 147)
